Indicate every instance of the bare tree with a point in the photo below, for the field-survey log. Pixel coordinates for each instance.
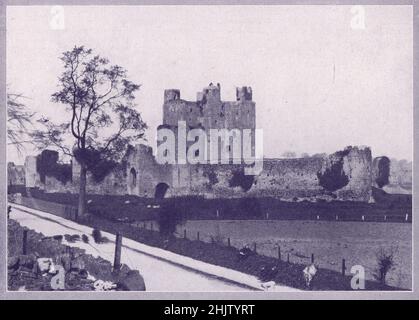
(19, 120)
(102, 116)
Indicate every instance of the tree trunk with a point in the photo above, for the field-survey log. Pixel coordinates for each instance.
(82, 192)
(383, 277)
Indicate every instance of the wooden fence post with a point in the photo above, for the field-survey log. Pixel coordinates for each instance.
(312, 258)
(279, 253)
(76, 214)
(254, 247)
(228, 241)
(288, 258)
(343, 267)
(184, 233)
(25, 242)
(118, 248)
(197, 235)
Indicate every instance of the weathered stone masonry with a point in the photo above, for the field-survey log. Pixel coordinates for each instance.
(344, 175)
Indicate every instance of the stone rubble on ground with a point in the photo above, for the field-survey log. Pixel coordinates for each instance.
(35, 272)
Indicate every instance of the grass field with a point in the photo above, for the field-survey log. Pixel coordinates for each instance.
(329, 241)
(292, 226)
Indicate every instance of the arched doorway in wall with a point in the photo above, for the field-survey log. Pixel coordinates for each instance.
(161, 190)
(132, 179)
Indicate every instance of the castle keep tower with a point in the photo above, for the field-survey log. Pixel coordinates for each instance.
(209, 111)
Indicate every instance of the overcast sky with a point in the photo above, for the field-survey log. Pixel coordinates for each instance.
(318, 83)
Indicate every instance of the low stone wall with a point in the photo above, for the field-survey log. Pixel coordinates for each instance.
(64, 211)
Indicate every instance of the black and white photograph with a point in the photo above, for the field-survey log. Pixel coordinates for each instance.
(243, 148)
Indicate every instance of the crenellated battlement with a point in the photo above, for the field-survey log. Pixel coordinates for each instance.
(171, 94)
(209, 110)
(244, 94)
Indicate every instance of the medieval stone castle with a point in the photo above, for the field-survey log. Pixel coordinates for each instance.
(349, 174)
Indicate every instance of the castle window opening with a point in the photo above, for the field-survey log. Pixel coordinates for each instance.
(133, 178)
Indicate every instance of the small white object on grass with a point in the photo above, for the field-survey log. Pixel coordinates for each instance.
(309, 273)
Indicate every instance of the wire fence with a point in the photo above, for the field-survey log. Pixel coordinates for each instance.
(253, 246)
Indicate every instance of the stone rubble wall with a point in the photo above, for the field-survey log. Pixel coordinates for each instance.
(287, 179)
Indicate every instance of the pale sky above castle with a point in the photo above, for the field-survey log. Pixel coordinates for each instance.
(319, 85)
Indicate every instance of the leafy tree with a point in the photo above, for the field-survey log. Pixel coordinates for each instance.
(383, 171)
(289, 155)
(19, 119)
(334, 177)
(319, 155)
(102, 115)
(385, 263)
